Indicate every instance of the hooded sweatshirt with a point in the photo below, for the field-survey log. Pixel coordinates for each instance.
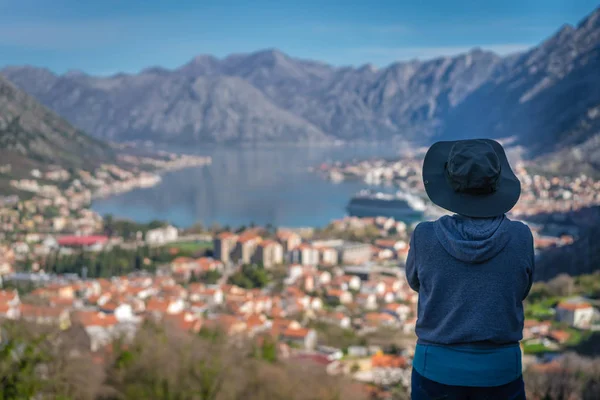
(472, 275)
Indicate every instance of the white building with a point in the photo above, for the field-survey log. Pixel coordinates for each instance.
(305, 255)
(124, 312)
(160, 236)
(577, 313)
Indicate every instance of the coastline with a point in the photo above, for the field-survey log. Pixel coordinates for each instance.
(146, 179)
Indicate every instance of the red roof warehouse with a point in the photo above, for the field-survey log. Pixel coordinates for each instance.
(74, 241)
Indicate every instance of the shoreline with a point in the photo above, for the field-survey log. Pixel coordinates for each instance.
(144, 179)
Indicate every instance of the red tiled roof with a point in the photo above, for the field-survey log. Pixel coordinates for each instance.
(109, 306)
(157, 305)
(81, 240)
(195, 287)
(560, 336)
(183, 260)
(385, 243)
(277, 312)
(184, 321)
(93, 318)
(530, 323)
(388, 361)
(61, 301)
(574, 306)
(251, 234)
(104, 283)
(295, 333)
(285, 235)
(134, 290)
(30, 310)
(7, 295)
(373, 317)
(294, 291)
(255, 320)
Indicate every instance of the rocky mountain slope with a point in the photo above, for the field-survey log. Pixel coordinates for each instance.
(32, 135)
(549, 97)
(544, 97)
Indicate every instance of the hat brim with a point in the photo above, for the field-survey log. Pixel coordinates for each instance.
(441, 192)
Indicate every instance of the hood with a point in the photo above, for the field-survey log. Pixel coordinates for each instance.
(472, 240)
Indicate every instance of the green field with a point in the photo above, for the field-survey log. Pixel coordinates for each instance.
(192, 247)
(577, 337)
(535, 348)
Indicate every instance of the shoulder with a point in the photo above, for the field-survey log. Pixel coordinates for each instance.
(422, 234)
(521, 232)
(519, 228)
(423, 228)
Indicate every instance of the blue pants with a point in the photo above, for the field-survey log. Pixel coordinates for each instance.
(425, 389)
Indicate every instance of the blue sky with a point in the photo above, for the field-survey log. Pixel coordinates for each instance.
(108, 36)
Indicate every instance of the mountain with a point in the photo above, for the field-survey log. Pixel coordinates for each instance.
(581, 257)
(33, 136)
(269, 96)
(167, 106)
(583, 158)
(549, 97)
(544, 98)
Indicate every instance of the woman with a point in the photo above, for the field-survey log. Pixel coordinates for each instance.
(472, 271)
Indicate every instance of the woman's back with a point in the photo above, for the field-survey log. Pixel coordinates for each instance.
(472, 271)
(472, 275)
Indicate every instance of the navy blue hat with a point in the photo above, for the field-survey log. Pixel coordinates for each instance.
(470, 177)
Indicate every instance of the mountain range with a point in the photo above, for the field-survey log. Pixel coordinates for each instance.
(547, 98)
(32, 136)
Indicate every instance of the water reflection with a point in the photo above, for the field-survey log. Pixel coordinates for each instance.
(264, 185)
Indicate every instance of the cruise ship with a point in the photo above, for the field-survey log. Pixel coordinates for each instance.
(400, 206)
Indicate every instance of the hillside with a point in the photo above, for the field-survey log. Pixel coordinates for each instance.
(33, 136)
(544, 97)
(549, 97)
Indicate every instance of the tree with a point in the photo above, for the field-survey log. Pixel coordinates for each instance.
(539, 291)
(160, 362)
(267, 350)
(562, 285)
(19, 361)
(251, 276)
(108, 224)
(196, 228)
(41, 362)
(211, 277)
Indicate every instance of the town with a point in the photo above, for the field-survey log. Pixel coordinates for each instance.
(539, 193)
(336, 296)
